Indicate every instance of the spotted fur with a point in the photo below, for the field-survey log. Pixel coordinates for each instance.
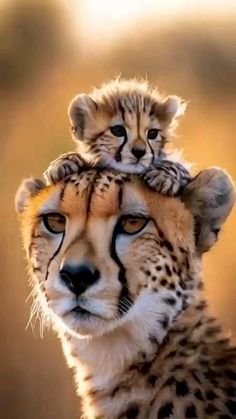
(139, 338)
(138, 109)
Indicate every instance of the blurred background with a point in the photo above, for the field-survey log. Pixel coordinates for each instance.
(51, 50)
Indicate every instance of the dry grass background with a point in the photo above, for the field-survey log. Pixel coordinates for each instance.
(41, 68)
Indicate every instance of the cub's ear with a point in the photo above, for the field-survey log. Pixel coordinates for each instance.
(28, 188)
(210, 197)
(174, 107)
(169, 109)
(81, 111)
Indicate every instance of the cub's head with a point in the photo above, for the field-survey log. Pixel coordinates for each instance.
(123, 123)
(105, 251)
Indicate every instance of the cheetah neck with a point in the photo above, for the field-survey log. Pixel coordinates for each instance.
(122, 359)
(104, 358)
(100, 364)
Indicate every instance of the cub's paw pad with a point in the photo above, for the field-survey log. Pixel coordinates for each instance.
(65, 165)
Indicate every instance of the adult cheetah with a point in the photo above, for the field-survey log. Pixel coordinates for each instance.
(117, 269)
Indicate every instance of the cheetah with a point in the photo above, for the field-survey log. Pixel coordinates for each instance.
(117, 269)
(125, 125)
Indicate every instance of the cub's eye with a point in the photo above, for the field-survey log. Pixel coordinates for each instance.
(118, 130)
(54, 222)
(132, 225)
(153, 133)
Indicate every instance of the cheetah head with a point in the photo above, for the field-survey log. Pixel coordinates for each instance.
(124, 123)
(106, 252)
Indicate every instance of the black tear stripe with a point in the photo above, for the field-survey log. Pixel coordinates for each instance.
(125, 301)
(153, 154)
(54, 255)
(118, 152)
(62, 239)
(123, 306)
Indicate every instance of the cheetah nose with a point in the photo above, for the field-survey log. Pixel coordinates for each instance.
(138, 152)
(78, 278)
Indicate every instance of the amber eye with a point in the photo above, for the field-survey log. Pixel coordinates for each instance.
(153, 133)
(132, 225)
(118, 130)
(54, 222)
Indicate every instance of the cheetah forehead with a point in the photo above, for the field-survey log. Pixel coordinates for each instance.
(133, 95)
(105, 194)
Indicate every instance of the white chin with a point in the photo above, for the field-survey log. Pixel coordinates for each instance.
(85, 326)
(135, 168)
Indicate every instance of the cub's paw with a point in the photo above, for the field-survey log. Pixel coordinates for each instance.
(167, 177)
(162, 182)
(65, 165)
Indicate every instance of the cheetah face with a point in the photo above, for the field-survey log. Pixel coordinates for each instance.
(124, 124)
(123, 142)
(105, 251)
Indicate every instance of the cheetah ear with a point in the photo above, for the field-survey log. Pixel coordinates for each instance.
(28, 188)
(81, 110)
(174, 107)
(210, 197)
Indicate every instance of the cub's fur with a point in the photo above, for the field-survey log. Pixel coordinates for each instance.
(117, 270)
(125, 125)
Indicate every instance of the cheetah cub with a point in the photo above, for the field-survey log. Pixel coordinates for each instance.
(125, 125)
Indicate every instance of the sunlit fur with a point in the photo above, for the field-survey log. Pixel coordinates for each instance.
(131, 103)
(129, 363)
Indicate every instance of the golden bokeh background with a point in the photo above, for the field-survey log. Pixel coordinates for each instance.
(51, 50)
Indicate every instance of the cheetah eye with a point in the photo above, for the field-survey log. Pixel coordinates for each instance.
(118, 130)
(153, 133)
(133, 225)
(54, 222)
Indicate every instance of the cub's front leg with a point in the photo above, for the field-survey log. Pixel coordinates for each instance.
(167, 177)
(64, 165)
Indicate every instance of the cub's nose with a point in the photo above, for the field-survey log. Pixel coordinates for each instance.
(78, 278)
(138, 152)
